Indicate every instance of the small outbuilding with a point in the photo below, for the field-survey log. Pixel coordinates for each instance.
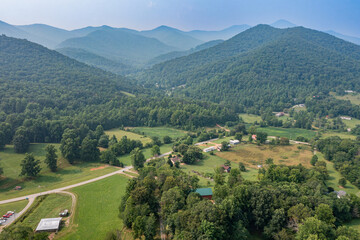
(209, 149)
(234, 142)
(205, 192)
(340, 193)
(48, 225)
(227, 169)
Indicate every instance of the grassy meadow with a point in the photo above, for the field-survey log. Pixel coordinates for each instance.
(354, 98)
(97, 209)
(250, 118)
(291, 133)
(66, 175)
(160, 132)
(130, 135)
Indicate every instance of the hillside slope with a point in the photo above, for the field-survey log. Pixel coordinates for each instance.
(263, 66)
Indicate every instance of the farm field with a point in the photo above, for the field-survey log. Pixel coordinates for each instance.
(160, 132)
(291, 133)
(126, 159)
(49, 207)
(353, 98)
(14, 206)
(66, 175)
(250, 118)
(130, 135)
(352, 123)
(207, 165)
(252, 155)
(97, 209)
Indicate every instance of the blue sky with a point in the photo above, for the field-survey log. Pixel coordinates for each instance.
(340, 15)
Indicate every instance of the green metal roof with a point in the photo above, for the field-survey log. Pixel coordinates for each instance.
(204, 191)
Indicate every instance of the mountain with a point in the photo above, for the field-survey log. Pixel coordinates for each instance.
(283, 24)
(345, 37)
(119, 45)
(31, 73)
(172, 55)
(263, 67)
(46, 35)
(96, 61)
(224, 34)
(13, 31)
(172, 37)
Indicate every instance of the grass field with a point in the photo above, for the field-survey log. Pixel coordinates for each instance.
(126, 159)
(97, 209)
(333, 181)
(354, 98)
(66, 175)
(291, 133)
(130, 135)
(14, 206)
(339, 134)
(351, 123)
(355, 223)
(160, 132)
(50, 207)
(250, 118)
(252, 155)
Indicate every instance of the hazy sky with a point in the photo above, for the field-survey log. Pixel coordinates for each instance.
(340, 15)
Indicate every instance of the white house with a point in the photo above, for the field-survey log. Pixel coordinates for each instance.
(209, 149)
(345, 118)
(234, 142)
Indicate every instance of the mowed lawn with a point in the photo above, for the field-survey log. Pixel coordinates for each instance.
(50, 207)
(66, 175)
(97, 209)
(14, 206)
(339, 134)
(130, 135)
(250, 118)
(252, 155)
(160, 132)
(291, 133)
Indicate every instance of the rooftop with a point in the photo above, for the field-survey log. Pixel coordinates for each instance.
(204, 191)
(48, 224)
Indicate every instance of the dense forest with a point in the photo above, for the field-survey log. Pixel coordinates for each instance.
(263, 67)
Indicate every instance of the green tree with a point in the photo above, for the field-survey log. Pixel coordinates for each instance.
(224, 146)
(51, 157)
(137, 158)
(261, 137)
(324, 213)
(29, 166)
(89, 150)
(21, 140)
(313, 228)
(314, 160)
(167, 139)
(99, 131)
(234, 177)
(242, 167)
(70, 145)
(155, 150)
(347, 232)
(238, 136)
(110, 158)
(342, 182)
(150, 227)
(2, 140)
(104, 141)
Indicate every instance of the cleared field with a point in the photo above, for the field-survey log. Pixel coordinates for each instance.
(130, 135)
(97, 209)
(333, 181)
(14, 206)
(354, 98)
(50, 207)
(352, 123)
(66, 175)
(339, 134)
(160, 132)
(291, 133)
(128, 94)
(207, 165)
(250, 118)
(355, 223)
(252, 155)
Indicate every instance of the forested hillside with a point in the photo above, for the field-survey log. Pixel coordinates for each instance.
(43, 92)
(263, 67)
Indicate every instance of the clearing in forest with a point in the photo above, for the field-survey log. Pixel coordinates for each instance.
(130, 135)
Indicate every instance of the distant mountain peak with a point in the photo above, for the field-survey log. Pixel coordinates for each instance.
(283, 24)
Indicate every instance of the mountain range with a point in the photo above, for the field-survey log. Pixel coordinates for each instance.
(262, 66)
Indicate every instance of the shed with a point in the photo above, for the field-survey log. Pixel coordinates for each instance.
(205, 192)
(48, 225)
(340, 193)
